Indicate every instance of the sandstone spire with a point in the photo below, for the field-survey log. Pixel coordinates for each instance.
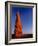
(18, 26)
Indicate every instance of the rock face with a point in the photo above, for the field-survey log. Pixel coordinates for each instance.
(18, 26)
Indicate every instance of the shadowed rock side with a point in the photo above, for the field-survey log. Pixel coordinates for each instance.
(18, 26)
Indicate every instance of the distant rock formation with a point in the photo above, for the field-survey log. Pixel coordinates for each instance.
(18, 26)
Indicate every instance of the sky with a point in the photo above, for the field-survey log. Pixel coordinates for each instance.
(25, 16)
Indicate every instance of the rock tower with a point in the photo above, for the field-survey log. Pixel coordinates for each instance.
(18, 26)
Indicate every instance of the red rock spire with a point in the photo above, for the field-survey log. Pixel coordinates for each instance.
(18, 26)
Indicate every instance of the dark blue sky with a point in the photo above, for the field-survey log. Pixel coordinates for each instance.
(25, 16)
